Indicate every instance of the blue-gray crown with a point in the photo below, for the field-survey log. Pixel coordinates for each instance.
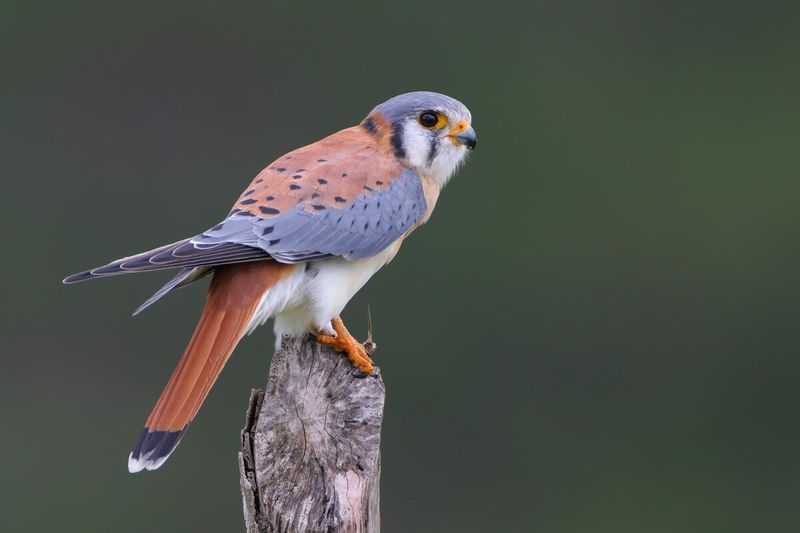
(410, 104)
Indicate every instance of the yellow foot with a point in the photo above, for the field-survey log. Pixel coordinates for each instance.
(346, 343)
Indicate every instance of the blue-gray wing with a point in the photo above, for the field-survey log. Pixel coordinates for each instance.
(317, 227)
(342, 196)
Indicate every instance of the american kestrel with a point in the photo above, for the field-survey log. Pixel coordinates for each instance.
(301, 240)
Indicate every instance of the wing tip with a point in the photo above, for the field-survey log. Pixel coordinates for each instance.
(75, 278)
(98, 272)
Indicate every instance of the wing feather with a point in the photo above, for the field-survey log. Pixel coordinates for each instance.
(345, 196)
(190, 256)
(362, 228)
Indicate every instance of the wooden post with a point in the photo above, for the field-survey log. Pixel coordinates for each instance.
(310, 458)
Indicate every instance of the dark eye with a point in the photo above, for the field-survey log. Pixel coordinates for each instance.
(428, 119)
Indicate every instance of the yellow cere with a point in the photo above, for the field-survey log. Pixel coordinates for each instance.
(458, 128)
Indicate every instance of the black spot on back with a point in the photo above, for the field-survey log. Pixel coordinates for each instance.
(318, 207)
(294, 186)
(268, 210)
(340, 199)
(322, 181)
(267, 230)
(248, 193)
(248, 201)
(280, 169)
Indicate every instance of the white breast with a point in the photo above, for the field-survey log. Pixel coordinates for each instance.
(316, 292)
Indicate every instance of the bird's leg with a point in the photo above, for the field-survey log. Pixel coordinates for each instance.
(346, 343)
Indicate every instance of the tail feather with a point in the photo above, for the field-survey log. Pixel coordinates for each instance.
(233, 298)
(152, 449)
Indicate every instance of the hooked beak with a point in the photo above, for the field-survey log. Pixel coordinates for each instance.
(463, 134)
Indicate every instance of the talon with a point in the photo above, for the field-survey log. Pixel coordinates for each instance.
(346, 343)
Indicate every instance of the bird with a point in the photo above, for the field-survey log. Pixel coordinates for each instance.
(302, 239)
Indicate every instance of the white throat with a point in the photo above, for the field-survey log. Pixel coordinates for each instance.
(439, 166)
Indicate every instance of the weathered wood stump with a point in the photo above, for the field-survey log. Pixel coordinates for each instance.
(310, 458)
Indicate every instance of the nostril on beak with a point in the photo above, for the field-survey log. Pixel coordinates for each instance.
(468, 138)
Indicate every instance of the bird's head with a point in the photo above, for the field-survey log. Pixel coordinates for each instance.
(429, 132)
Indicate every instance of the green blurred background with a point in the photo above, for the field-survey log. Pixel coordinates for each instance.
(597, 331)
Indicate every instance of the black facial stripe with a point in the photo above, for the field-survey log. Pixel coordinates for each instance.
(397, 140)
(432, 149)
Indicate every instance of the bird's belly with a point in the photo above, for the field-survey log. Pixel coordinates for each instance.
(318, 291)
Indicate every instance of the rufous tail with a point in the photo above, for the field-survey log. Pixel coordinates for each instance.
(233, 298)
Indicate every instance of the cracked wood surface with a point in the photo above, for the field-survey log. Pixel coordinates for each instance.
(310, 458)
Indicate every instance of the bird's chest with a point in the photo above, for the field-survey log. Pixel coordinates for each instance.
(333, 282)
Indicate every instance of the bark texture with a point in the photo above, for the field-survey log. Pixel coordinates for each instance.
(310, 458)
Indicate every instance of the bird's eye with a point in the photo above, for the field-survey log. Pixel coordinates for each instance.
(428, 119)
